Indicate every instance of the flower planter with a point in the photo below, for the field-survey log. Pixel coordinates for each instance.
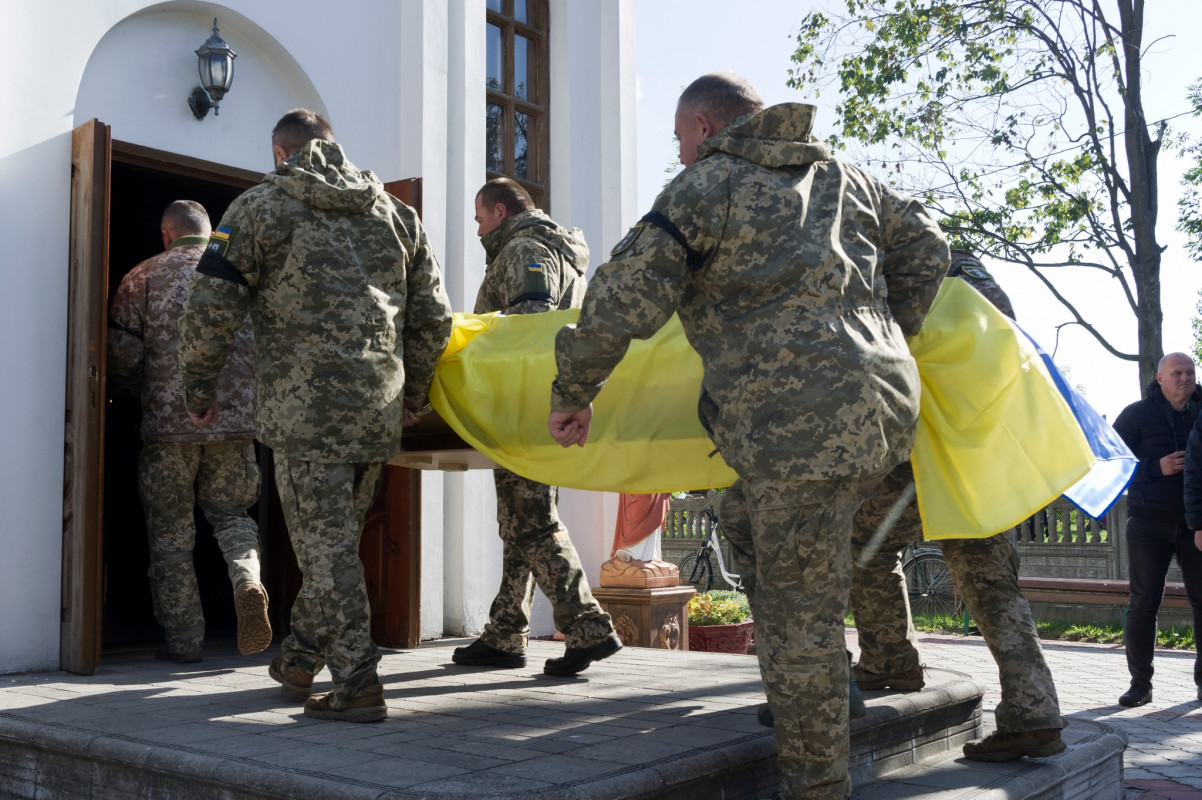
(734, 638)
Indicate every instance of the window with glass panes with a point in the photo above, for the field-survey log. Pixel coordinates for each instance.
(517, 96)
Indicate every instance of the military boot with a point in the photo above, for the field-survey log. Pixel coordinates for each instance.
(479, 654)
(296, 676)
(254, 629)
(1012, 745)
(365, 705)
(900, 681)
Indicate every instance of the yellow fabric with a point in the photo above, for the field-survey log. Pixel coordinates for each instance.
(645, 435)
(996, 441)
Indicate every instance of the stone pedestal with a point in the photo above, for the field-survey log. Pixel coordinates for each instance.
(649, 617)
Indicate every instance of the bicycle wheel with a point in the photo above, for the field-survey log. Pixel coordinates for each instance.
(929, 583)
(697, 572)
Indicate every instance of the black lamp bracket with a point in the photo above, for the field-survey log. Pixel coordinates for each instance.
(200, 103)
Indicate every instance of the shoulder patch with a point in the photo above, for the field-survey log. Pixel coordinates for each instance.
(536, 280)
(627, 240)
(976, 273)
(219, 241)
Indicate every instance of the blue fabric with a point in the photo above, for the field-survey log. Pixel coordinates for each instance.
(1101, 488)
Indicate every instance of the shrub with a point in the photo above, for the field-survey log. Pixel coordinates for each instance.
(719, 608)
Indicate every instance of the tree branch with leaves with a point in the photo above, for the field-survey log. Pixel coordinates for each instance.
(1020, 122)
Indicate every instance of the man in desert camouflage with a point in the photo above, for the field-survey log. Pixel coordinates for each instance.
(533, 265)
(181, 465)
(350, 317)
(797, 278)
(986, 572)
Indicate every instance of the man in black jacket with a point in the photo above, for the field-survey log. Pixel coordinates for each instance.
(1157, 429)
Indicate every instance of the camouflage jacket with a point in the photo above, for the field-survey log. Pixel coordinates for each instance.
(797, 278)
(533, 265)
(347, 302)
(143, 339)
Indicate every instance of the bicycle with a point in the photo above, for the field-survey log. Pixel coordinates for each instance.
(697, 569)
(929, 581)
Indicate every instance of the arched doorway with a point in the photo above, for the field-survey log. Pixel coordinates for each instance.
(119, 189)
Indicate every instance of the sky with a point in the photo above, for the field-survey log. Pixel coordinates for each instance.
(679, 40)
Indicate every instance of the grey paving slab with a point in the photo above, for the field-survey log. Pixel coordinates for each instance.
(452, 732)
(636, 725)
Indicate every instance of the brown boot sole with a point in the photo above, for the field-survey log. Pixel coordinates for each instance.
(254, 628)
(1034, 751)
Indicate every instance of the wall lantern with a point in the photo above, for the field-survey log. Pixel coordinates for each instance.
(215, 60)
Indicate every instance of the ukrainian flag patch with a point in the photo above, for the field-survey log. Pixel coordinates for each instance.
(219, 240)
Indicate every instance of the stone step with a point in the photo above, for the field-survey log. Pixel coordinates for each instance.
(655, 725)
(1090, 769)
(902, 729)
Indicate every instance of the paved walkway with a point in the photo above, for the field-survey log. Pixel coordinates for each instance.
(1164, 755)
(522, 734)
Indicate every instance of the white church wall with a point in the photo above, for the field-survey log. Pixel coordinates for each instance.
(405, 94)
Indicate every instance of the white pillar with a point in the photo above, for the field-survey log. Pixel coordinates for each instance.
(471, 550)
(593, 187)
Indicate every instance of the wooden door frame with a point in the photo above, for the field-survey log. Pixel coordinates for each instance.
(83, 467)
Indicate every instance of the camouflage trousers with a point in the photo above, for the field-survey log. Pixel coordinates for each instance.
(986, 571)
(325, 506)
(792, 544)
(537, 549)
(173, 477)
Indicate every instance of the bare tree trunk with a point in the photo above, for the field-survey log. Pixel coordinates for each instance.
(1142, 153)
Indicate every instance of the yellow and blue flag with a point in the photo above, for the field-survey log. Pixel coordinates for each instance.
(996, 441)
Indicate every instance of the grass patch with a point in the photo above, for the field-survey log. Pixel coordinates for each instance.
(1176, 639)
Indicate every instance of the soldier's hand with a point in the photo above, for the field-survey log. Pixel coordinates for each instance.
(1172, 463)
(205, 419)
(413, 410)
(1198, 539)
(570, 428)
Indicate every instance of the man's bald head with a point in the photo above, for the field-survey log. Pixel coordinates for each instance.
(708, 105)
(1177, 379)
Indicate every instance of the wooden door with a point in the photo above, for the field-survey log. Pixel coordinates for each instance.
(83, 469)
(391, 553)
(391, 543)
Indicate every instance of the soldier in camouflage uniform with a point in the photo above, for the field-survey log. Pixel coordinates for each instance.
(181, 465)
(797, 278)
(533, 265)
(350, 318)
(986, 570)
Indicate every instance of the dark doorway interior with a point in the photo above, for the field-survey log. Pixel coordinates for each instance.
(139, 195)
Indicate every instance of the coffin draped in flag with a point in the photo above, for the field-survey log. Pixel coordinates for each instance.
(996, 440)
(493, 387)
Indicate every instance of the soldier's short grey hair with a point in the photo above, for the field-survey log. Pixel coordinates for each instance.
(298, 127)
(186, 218)
(723, 96)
